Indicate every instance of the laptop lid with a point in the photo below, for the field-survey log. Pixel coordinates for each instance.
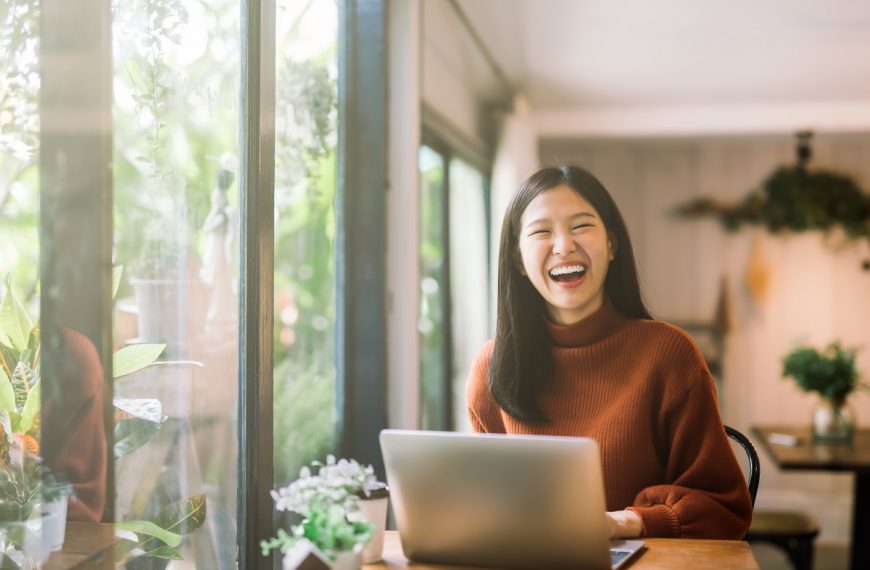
(497, 500)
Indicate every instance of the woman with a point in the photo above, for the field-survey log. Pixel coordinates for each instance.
(576, 353)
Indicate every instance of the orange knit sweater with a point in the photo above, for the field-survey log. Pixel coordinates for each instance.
(642, 390)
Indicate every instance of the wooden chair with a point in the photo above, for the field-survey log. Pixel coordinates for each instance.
(792, 531)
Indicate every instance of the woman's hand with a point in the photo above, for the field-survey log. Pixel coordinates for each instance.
(624, 524)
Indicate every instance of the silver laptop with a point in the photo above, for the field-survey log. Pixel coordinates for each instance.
(498, 500)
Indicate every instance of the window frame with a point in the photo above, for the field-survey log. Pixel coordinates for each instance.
(444, 139)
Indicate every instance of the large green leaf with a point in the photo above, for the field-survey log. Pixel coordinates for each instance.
(31, 409)
(117, 271)
(135, 357)
(184, 516)
(132, 434)
(7, 393)
(23, 381)
(148, 528)
(143, 408)
(15, 325)
(8, 359)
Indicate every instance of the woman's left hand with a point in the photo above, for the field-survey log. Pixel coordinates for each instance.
(624, 524)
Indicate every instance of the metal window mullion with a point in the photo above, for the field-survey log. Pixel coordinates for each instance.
(75, 217)
(361, 203)
(256, 290)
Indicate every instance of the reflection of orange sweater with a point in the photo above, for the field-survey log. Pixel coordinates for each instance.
(78, 449)
(640, 389)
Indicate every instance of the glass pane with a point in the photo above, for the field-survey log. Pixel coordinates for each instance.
(19, 151)
(468, 277)
(176, 133)
(432, 289)
(305, 181)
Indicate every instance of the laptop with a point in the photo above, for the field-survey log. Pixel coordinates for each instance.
(499, 500)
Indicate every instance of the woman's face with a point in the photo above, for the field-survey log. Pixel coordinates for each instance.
(565, 253)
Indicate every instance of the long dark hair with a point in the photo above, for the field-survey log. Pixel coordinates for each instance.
(522, 361)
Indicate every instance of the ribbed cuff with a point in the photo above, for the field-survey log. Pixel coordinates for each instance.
(659, 521)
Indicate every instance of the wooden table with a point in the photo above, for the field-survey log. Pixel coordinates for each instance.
(660, 554)
(809, 456)
(85, 545)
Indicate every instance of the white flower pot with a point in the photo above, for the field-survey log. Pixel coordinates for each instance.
(349, 560)
(374, 511)
(54, 523)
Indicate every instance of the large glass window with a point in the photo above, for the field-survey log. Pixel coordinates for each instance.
(136, 165)
(305, 185)
(453, 312)
(176, 235)
(19, 150)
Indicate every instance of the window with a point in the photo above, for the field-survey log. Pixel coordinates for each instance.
(138, 163)
(454, 270)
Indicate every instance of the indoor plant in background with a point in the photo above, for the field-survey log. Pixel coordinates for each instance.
(832, 373)
(327, 497)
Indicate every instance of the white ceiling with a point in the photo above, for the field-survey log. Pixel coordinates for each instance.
(568, 56)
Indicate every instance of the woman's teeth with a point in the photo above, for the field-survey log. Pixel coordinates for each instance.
(568, 272)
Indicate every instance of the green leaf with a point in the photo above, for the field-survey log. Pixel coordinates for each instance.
(31, 409)
(184, 516)
(143, 408)
(15, 325)
(117, 271)
(7, 563)
(23, 381)
(135, 357)
(132, 434)
(164, 552)
(6, 425)
(148, 528)
(7, 393)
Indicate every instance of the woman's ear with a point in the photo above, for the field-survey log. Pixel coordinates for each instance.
(611, 249)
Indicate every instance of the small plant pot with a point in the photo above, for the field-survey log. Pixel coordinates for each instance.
(54, 522)
(373, 509)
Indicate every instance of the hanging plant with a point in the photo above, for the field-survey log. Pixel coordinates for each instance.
(795, 199)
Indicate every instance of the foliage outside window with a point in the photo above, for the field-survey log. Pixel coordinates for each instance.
(305, 184)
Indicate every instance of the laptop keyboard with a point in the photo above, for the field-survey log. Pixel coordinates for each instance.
(617, 556)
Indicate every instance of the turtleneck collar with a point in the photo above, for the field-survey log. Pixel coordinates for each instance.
(593, 328)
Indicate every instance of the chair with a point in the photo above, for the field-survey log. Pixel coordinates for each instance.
(753, 468)
(792, 531)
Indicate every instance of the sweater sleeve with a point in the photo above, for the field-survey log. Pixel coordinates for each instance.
(484, 413)
(705, 494)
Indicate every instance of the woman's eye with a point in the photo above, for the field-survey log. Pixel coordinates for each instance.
(539, 233)
(581, 226)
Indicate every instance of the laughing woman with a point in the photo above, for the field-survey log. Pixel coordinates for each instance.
(576, 353)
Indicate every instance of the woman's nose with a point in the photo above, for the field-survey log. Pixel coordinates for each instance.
(563, 243)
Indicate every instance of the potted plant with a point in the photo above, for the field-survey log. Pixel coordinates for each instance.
(832, 373)
(29, 491)
(327, 497)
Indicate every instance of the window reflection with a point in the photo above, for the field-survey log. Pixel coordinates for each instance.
(433, 393)
(175, 131)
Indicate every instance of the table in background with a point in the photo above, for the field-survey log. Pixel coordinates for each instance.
(85, 545)
(660, 554)
(807, 455)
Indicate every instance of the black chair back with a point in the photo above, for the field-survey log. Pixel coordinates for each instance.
(754, 470)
